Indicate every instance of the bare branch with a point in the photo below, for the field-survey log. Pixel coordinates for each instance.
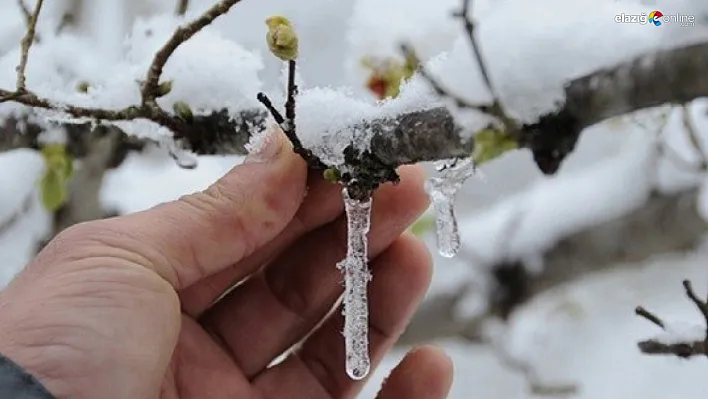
(181, 35)
(468, 25)
(26, 44)
(666, 223)
(25, 11)
(700, 304)
(442, 91)
(641, 312)
(680, 349)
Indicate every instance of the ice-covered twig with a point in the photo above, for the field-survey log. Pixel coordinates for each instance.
(690, 340)
(442, 191)
(356, 279)
(287, 123)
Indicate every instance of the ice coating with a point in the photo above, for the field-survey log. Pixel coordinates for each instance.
(356, 279)
(442, 190)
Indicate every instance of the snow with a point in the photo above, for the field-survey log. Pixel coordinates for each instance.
(325, 117)
(584, 332)
(537, 218)
(681, 331)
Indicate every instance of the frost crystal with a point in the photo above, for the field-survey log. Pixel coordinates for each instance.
(356, 278)
(442, 190)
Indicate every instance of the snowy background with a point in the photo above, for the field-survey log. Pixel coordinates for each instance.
(583, 332)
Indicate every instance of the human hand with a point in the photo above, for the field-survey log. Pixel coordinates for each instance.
(127, 307)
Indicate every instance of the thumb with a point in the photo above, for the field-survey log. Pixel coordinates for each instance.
(424, 373)
(199, 234)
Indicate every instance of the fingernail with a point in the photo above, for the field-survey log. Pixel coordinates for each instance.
(264, 147)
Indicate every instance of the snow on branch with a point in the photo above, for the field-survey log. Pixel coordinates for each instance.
(151, 87)
(668, 76)
(678, 340)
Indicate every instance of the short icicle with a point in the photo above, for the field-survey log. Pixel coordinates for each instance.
(356, 279)
(442, 190)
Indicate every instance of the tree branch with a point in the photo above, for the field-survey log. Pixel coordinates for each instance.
(669, 76)
(666, 223)
(681, 349)
(182, 34)
(26, 44)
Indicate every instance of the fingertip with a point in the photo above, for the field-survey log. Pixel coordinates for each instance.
(435, 358)
(424, 373)
(413, 178)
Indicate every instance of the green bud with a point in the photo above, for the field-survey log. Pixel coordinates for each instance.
(164, 88)
(83, 86)
(332, 175)
(54, 184)
(490, 144)
(421, 226)
(182, 110)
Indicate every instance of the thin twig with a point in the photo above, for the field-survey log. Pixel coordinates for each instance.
(25, 11)
(680, 349)
(292, 93)
(182, 6)
(467, 23)
(700, 304)
(640, 311)
(26, 44)
(443, 92)
(494, 109)
(263, 98)
(469, 26)
(154, 114)
(313, 161)
(182, 34)
(148, 109)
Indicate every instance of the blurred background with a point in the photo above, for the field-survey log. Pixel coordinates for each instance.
(563, 260)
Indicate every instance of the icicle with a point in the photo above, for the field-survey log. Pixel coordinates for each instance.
(442, 190)
(183, 158)
(356, 279)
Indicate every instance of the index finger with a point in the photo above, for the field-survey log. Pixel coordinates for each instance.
(200, 234)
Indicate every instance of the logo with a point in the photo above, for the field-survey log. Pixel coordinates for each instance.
(655, 17)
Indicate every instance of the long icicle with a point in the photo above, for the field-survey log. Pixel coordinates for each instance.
(356, 279)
